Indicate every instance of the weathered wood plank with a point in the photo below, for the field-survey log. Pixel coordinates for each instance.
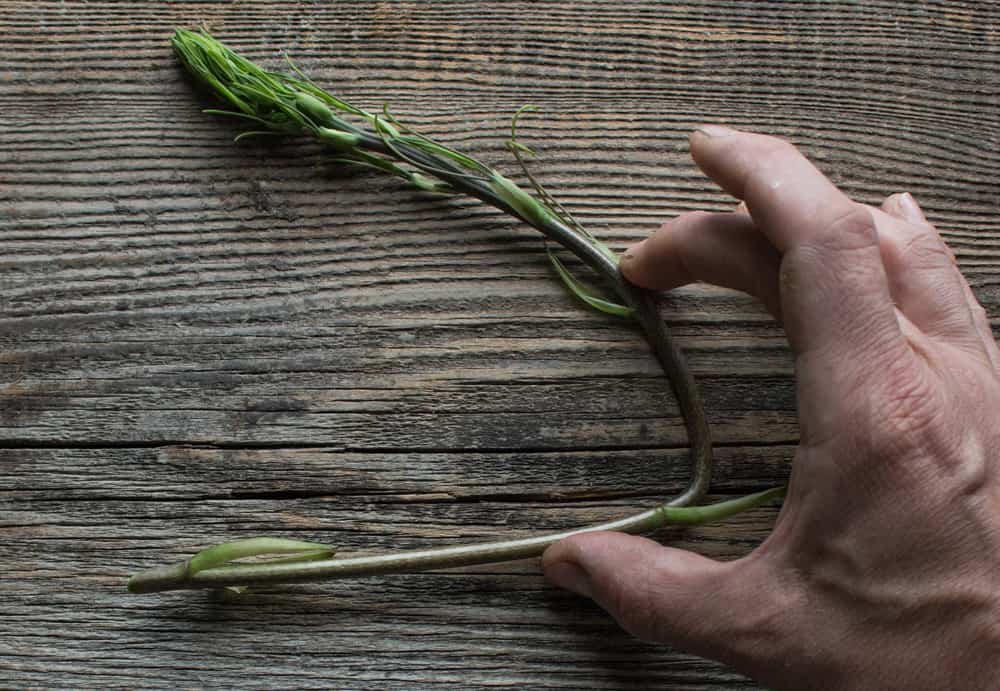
(497, 625)
(201, 341)
(191, 473)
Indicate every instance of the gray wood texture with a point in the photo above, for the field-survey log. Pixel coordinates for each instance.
(201, 341)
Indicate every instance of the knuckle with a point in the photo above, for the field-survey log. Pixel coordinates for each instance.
(687, 243)
(924, 250)
(696, 216)
(689, 222)
(840, 258)
(851, 229)
(911, 411)
(928, 444)
(979, 313)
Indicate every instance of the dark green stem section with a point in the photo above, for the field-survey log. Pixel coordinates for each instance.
(178, 576)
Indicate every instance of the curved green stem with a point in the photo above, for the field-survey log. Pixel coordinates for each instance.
(277, 101)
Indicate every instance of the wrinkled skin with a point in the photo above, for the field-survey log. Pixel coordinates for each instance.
(883, 570)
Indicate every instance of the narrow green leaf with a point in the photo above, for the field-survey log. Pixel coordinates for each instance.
(582, 292)
(430, 146)
(696, 515)
(521, 147)
(256, 133)
(297, 558)
(526, 206)
(429, 184)
(526, 108)
(233, 113)
(226, 552)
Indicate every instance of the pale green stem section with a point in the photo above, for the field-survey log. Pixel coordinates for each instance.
(179, 576)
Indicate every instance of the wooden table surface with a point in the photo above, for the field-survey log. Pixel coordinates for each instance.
(201, 341)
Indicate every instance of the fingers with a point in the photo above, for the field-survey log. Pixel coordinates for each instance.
(724, 249)
(924, 279)
(727, 611)
(834, 291)
(843, 266)
(784, 193)
(982, 322)
(727, 249)
(904, 207)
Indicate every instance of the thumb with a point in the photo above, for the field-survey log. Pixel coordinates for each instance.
(728, 611)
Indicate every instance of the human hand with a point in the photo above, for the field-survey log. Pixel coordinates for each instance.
(883, 569)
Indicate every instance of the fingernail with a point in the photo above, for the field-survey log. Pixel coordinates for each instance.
(910, 209)
(568, 575)
(715, 131)
(632, 252)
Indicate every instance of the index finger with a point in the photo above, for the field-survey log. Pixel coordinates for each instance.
(834, 291)
(785, 194)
